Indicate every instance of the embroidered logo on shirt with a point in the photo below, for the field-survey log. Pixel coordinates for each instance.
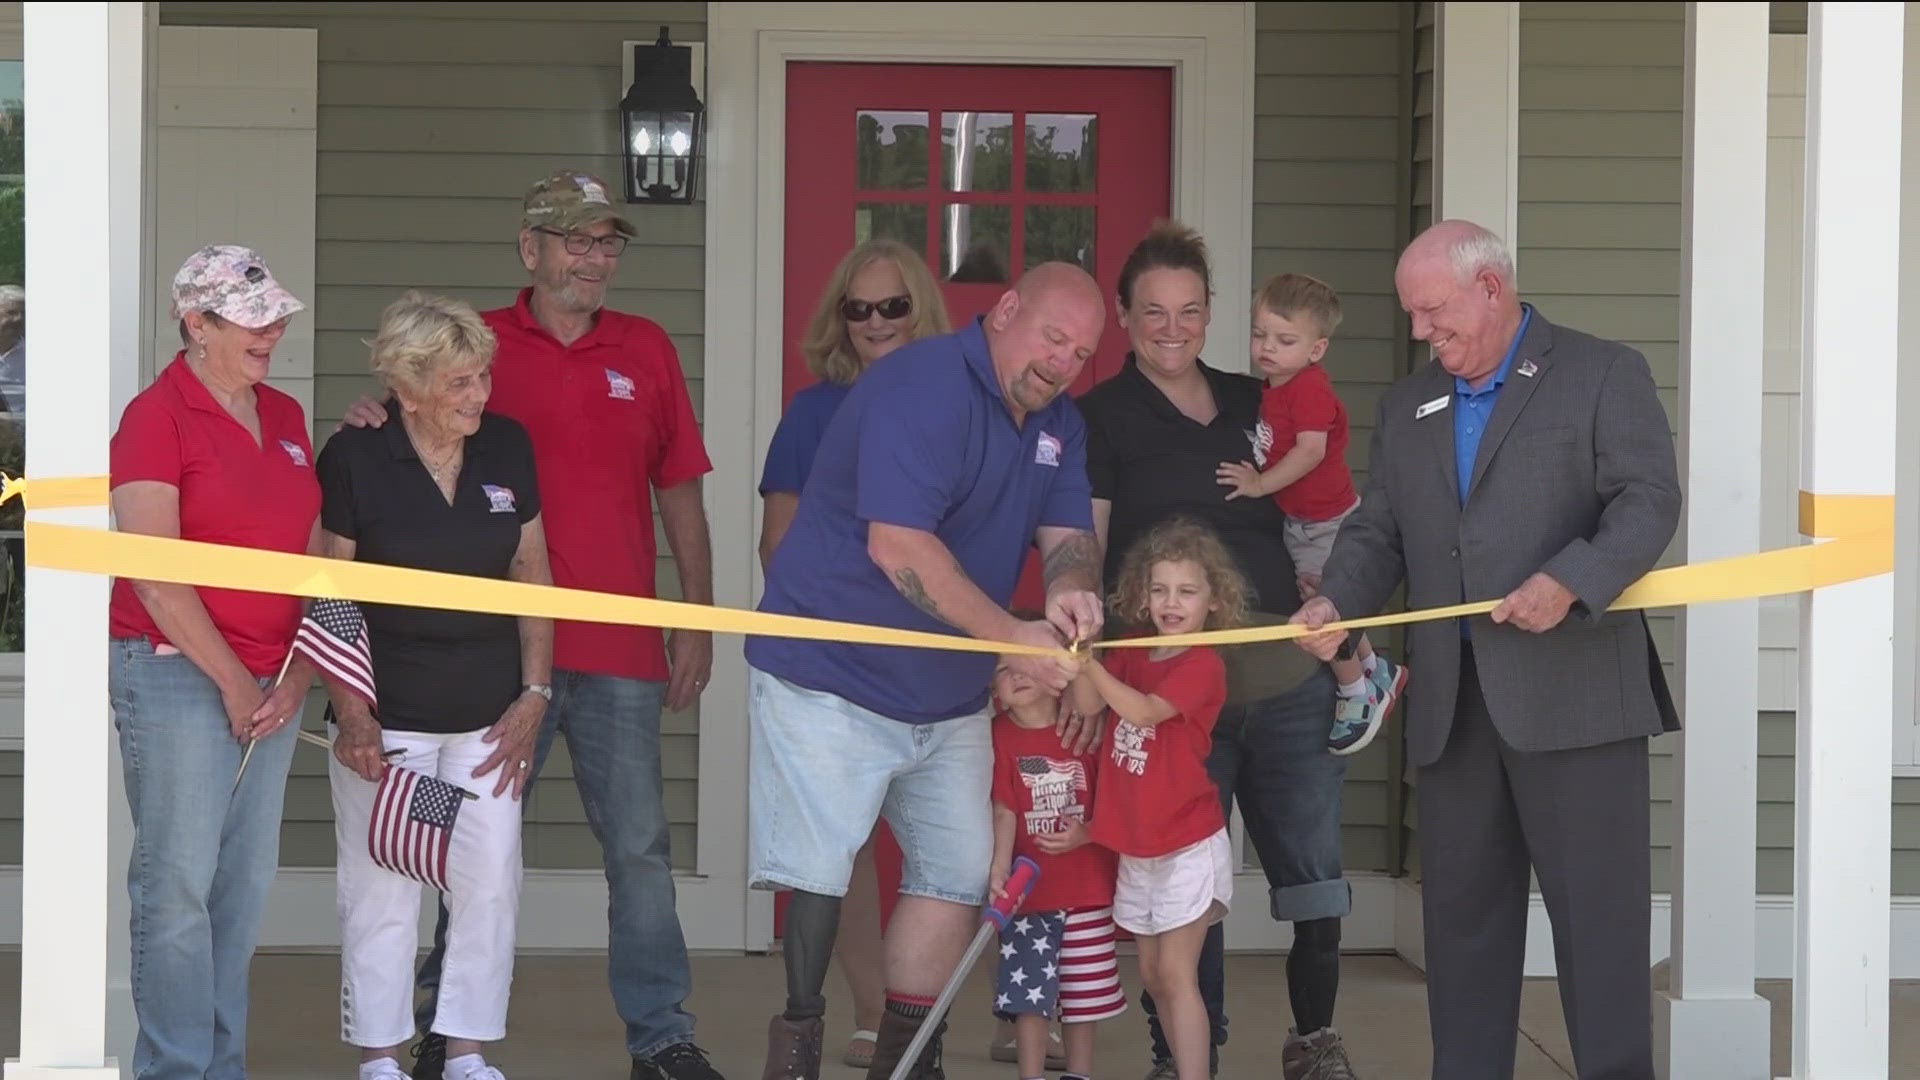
(1047, 451)
(1130, 746)
(499, 499)
(1261, 436)
(293, 450)
(619, 386)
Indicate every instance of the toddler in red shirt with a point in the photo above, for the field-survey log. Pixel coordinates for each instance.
(1157, 806)
(1057, 957)
(1300, 452)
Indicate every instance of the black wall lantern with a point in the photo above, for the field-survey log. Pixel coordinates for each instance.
(661, 119)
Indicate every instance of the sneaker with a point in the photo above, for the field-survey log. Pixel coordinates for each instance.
(1163, 1069)
(429, 1057)
(681, 1061)
(383, 1069)
(793, 1048)
(1356, 720)
(1389, 682)
(480, 1071)
(1319, 1056)
(1005, 1047)
(896, 1034)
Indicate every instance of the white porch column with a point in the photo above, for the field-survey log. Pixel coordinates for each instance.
(1712, 1024)
(1476, 111)
(1843, 794)
(77, 263)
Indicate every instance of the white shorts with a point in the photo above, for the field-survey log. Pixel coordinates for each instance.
(1167, 892)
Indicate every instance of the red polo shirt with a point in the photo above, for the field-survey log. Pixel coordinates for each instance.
(232, 491)
(610, 420)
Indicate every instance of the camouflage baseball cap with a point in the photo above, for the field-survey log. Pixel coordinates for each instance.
(570, 200)
(234, 283)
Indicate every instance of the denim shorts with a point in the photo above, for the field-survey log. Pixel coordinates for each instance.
(824, 769)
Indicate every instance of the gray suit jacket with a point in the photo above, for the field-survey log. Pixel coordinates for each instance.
(1575, 476)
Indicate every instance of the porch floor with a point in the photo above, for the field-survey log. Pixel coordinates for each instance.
(563, 1023)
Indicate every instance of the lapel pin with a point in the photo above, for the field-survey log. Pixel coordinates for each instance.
(1528, 369)
(1431, 407)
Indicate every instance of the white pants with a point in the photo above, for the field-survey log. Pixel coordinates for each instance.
(380, 910)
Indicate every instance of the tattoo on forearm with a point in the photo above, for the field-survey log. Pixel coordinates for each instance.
(915, 591)
(1079, 554)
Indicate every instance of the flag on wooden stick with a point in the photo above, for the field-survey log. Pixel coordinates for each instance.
(412, 826)
(334, 636)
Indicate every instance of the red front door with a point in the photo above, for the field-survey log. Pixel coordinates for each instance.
(986, 171)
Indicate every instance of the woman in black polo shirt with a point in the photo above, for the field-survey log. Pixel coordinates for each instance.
(1157, 432)
(460, 695)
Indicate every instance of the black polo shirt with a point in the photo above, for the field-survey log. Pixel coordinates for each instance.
(1153, 462)
(435, 670)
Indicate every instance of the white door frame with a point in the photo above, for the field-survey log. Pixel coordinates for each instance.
(1208, 46)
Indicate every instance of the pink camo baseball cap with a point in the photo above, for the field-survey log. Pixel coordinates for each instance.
(234, 283)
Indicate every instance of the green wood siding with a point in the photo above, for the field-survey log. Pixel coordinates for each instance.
(1331, 157)
(433, 120)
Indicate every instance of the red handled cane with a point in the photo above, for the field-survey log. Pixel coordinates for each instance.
(993, 919)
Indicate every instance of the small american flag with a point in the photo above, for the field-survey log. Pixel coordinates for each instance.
(334, 637)
(412, 827)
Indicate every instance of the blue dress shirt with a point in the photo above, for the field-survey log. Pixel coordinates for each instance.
(1476, 408)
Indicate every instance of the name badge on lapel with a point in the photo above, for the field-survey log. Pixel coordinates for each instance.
(1528, 369)
(1432, 407)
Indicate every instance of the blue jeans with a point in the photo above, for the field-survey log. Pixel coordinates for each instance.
(612, 726)
(1272, 756)
(203, 861)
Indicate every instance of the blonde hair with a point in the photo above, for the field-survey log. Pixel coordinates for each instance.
(828, 349)
(420, 334)
(1181, 539)
(1292, 296)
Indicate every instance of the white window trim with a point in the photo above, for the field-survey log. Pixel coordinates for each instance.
(1208, 46)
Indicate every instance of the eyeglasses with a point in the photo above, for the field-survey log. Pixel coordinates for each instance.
(893, 307)
(580, 243)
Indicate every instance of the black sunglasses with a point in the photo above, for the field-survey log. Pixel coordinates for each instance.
(893, 307)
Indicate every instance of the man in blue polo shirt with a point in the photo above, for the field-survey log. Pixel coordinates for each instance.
(947, 461)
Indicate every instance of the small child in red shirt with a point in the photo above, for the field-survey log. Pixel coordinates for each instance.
(1157, 806)
(1300, 453)
(1057, 957)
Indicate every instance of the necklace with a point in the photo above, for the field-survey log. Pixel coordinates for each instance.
(437, 470)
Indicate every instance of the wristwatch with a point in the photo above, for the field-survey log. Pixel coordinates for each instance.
(542, 689)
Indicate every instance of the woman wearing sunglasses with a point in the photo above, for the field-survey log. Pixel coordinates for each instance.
(879, 298)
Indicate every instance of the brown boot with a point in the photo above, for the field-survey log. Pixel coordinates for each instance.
(793, 1049)
(896, 1032)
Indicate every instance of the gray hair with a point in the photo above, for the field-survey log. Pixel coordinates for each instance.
(1479, 249)
(418, 334)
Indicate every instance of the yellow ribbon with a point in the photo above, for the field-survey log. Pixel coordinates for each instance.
(1861, 527)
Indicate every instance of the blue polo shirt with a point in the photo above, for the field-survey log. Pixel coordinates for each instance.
(1476, 408)
(923, 440)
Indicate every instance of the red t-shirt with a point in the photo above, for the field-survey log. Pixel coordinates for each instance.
(1307, 402)
(610, 421)
(232, 491)
(1155, 794)
(1047, 788)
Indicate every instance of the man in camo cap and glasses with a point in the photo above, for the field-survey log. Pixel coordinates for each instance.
(602, 395)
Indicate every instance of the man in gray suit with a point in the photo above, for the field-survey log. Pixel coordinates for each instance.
(1534, 463)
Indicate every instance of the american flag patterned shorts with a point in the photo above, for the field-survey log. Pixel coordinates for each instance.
(1060, 963)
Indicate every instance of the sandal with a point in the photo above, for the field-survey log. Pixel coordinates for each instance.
(860, 1048)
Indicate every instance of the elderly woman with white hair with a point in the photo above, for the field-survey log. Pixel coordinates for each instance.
(460, 695)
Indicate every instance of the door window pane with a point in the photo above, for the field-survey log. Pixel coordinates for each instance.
(905, 222)
(1060, 233)
(975, 242)
(1060, 151)
(976, 150)
(892, 149)
(13, 348)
